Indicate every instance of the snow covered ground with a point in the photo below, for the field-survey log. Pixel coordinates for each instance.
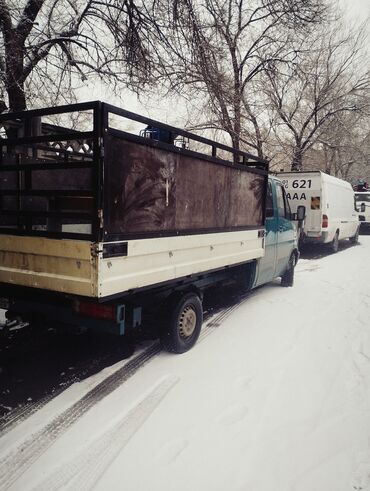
(276, 398)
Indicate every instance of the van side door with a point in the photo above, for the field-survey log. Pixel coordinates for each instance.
(285, 231)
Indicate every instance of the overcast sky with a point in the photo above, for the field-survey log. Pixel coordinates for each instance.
(357, 8)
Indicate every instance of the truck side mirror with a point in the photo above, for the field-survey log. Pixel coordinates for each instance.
(301, 213)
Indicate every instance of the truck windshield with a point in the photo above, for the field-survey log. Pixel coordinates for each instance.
(362, 197)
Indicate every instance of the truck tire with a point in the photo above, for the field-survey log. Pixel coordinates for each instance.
(183, 325)
(246, 277)
(288, 277)
(334, 244)
(301, 241)
(354, 239)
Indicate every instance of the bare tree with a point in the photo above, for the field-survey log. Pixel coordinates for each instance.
(44, 44)
(311, 98)
(344, 146)
(217, 49)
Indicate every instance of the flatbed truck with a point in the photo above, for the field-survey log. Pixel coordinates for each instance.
(101, 224)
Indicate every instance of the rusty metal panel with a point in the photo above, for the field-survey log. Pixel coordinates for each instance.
(140, 187)
(203, 191)
(246, 199)
(214, 196)
(150, 190)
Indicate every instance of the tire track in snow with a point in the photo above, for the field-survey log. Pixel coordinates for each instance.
(20, 414)
(19, 460)
(82, 472)
(13, 465)
(8, 422)
(16, 417)
(216, 321)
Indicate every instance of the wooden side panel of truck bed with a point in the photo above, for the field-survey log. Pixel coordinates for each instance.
(66, 266)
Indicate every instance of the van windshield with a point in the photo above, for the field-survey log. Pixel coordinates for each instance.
(363, 197)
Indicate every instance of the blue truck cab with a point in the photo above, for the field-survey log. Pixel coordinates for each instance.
(281, 243)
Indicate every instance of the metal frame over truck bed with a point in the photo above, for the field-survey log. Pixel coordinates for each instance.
(102, 212)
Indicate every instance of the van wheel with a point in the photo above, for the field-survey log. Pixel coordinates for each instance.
(334, 245)
(183, 325)
(354, 239)
(288, 277)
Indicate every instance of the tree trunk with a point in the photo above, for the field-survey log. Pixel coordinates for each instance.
(17, 99)
(14, 56)
(297, 158)
(236, 146)
(259, 140)
(257, 131)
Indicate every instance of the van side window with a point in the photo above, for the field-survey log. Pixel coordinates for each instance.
(280, 201)
(269, 204)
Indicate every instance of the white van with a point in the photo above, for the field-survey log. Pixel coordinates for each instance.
(363, 204)
(331, 213)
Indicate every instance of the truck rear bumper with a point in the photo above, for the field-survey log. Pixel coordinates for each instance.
(56, 310)
(315, 238)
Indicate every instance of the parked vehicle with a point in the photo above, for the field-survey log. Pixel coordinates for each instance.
(363, 205)
(102, 225)
(361, 185)
(331, 213)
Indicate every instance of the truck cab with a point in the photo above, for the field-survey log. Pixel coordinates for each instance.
(280, 236)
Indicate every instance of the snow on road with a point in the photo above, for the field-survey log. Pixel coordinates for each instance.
(277, 398)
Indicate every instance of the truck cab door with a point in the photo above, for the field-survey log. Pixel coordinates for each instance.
(267, 264)
(285, 231)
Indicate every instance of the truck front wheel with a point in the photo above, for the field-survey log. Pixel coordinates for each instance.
(183, 325)
(288, 277)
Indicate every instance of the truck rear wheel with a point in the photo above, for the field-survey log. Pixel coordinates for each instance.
(288, 277)
(183, 324)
